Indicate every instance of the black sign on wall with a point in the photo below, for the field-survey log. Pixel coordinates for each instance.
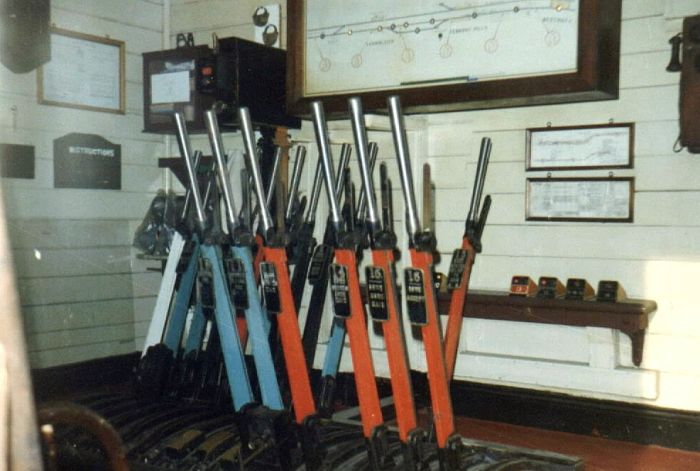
(16, 161)
(86, 161)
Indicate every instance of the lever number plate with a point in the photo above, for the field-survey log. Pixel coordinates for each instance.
(270, 286)
(237, 283)
(415, 296)
(376, 293)
(205, 285)
(457, 265)
(339, 290)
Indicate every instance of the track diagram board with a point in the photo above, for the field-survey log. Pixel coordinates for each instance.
(355, 46)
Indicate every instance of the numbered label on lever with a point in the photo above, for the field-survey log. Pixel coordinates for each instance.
(415, 296)
(457, 266)
(270, 286)
(340, 291)
(376, 293)
(238, 286)
(205, 285)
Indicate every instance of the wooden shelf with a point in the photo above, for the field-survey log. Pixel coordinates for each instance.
(630, 316)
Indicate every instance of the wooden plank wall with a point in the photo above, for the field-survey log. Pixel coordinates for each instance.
(83, 294)
(656, 257)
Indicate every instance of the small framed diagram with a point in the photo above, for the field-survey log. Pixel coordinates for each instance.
(596, 146)
(587, 199)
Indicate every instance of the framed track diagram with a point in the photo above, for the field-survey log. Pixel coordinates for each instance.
(446, 55)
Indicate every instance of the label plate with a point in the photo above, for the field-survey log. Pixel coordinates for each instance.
(339, 290)
(270, 286)
(415, 296)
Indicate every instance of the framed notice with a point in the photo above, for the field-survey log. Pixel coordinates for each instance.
(451, 56)
(580, 199)
(581, 147)
(85, 72)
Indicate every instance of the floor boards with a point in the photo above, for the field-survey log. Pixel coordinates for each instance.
(598, 453)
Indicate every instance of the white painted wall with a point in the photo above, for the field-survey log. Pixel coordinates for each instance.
(657, 257)
(83, 293)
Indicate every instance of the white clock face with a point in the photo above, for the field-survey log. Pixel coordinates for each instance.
(359, 45)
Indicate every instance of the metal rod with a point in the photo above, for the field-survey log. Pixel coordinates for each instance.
(315, 192)
(401, 146)
(274, 176)
(387, 208)
(183, 141)
(253, 166)
(294, 184)
(360, 133)
(272, 184)
(324, 150)
(188, 191)
(427, 199)
(217, 148)
(245, 214)
(361, 201)
(345, 152)
(484, 154)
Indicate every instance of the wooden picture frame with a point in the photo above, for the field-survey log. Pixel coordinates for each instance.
(596, 76)
(85, 72)
(586, 199)
(594, 146)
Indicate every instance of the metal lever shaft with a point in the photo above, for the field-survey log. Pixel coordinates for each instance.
(217, 148)
(188, 192)
(274, 177)
(183, 141)
(345, 152)
(481, 167)
(398, 131)
(360, 133)
(361, 213)
(387, 206)
(253, 167)
(294, 184)
(315, 193)
(324, 150)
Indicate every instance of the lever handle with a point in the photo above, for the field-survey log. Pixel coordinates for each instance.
(483, 216)
(272, 184)
(245, 213)
(345, 152)
(188, 191)
(361, 214)
(398, 131)
(274, 176)
(315, 193)
(477, 190)
(324, 150)
(294, 184)
(360, 133)
(217, 148)
(254, 167)
(183, 141)
(387, 204)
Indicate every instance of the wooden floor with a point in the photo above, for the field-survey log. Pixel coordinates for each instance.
(597, 453)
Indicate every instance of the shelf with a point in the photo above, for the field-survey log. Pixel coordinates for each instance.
(630, 316)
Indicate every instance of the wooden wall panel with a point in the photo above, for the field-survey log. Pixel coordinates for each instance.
(78, 283)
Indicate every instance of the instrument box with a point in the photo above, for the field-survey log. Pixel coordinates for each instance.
(194, 79)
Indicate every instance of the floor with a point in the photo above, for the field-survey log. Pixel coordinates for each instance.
(598, 453)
